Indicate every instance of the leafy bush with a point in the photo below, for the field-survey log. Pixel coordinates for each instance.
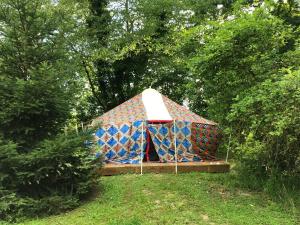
(244, 84)
(238, 55)
(267, 127)
(50, 179)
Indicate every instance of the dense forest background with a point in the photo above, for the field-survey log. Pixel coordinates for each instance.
(64, 62)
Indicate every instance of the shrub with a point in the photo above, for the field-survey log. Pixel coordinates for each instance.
(51, 178)
(267, 128)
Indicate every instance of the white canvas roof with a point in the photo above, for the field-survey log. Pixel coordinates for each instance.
(154, 105)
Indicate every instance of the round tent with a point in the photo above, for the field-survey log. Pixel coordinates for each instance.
(128, 131)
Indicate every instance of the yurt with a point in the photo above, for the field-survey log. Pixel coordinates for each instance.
(151, 127)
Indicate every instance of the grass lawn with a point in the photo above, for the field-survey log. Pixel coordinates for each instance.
(194, 198)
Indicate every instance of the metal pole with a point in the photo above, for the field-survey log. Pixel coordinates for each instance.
(142, 150)
(176, 169)
(229, 142)
(76, 128)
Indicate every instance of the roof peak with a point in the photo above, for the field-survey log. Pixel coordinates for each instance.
(154, 105)
(150, 105)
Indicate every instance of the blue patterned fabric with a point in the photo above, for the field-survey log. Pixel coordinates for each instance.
(122, 143)
(163, 136)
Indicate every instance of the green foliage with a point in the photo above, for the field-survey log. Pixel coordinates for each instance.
(286, 10)
(267, 126)
(36, 74)
(134, 46)
(246, 77)
(98, 21)
(237, 55)
(114, 73)
(29, 30)
(40, 172)
(49, 179)
(32, 109)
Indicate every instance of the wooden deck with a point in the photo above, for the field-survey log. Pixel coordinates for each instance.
(154, 167)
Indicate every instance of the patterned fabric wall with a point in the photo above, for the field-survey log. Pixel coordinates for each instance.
(122, 143)
(164, 141)
(205, 140)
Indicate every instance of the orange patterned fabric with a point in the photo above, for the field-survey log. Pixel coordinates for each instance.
(180, 113)
(205, 140)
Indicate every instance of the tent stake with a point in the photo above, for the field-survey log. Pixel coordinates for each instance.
(142, 150)
(176, 169)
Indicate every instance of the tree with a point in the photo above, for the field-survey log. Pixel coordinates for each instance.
(136, 51)
(35, 72)
(42, 170)
(237, 55)
(247, 72)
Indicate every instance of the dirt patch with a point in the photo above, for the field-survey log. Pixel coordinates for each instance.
(205, 217)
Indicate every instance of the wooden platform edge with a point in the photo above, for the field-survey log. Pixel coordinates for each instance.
(210, 167)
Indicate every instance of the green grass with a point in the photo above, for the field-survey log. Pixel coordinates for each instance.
(194, 198)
